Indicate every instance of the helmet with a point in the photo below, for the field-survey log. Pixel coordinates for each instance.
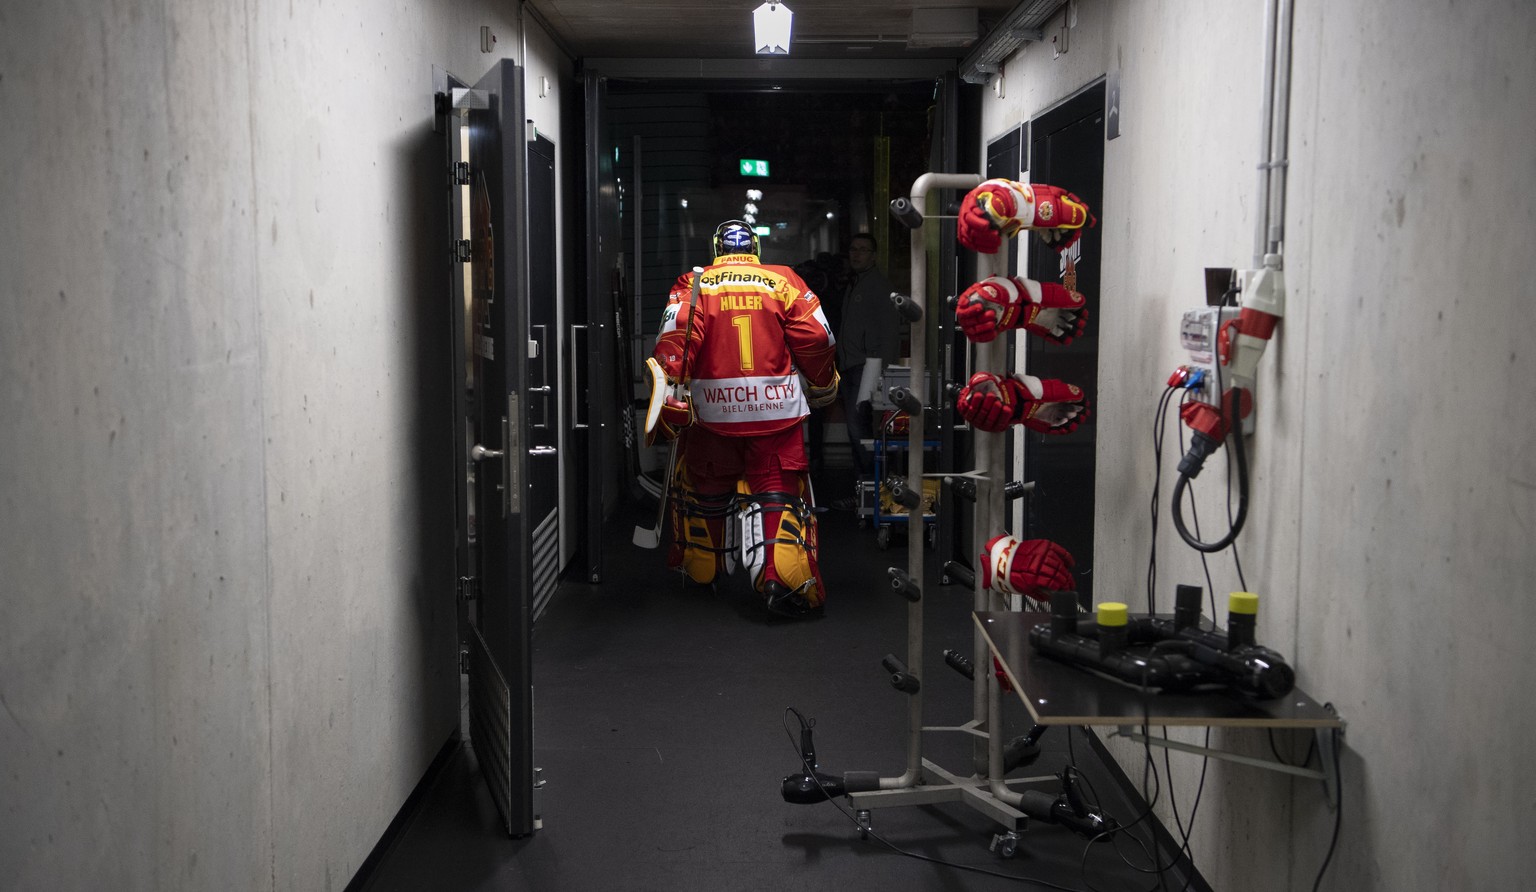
(735, 237)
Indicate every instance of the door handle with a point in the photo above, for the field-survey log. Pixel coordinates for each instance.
(511, 465)
(546, 391)
(578, 361)
(543, 341)
(480, 453)
(543, 450)
(507, 484)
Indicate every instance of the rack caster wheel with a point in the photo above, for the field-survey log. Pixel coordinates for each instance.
(883, 538)
(863, 818)
(1005, 844)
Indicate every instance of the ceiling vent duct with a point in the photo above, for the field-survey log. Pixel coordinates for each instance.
(948, 27)
(1020, 26)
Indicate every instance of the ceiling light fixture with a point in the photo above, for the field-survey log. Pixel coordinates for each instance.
(770, 28)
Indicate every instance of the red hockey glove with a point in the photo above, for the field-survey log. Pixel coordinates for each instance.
(1060, 217)
(990, 402)
(1003, 684)
(998, 304)
(1051, 406)
(821, 397)
(995, 210)
(998, 209)
(1033, 567)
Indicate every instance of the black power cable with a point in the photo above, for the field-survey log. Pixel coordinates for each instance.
(1338, 812)
(1201, 447)
(1205, 761)
(1159, 427)
(1158, 436)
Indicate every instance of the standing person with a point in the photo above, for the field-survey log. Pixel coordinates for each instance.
(741, 350)
(825, 274)
(871, 329)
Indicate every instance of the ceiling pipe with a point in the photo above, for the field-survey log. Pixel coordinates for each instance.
(1024, 23)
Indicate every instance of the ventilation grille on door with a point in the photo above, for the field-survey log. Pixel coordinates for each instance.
(490, 724)
(546, 561)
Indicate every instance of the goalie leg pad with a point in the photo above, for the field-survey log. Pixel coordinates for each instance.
(777, 526)
(778, 543)
(701, 546)
(705, 543)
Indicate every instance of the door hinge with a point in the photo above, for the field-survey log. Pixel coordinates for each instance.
(469, 588)
(460, 173)
(461, 250)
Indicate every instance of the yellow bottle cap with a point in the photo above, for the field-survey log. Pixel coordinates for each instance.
(1243, 602)
(1112, 613)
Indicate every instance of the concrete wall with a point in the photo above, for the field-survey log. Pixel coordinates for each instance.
(227, 645)
(1395, 462)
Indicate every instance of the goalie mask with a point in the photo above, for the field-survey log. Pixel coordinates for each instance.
(735, 237)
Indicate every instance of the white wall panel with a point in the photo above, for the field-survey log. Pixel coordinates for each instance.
(227, 649)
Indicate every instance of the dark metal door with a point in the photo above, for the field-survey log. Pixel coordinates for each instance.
(490, 306)
(542, 505)
(1067, 150)
(604, 441)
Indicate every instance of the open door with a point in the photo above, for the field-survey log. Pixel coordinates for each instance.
(546, 358)
(489, 296)
(1067, 150)
(603, 437)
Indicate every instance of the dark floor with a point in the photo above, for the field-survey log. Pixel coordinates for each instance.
(661, 729)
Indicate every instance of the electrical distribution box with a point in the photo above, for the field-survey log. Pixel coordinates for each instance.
(1198, 332)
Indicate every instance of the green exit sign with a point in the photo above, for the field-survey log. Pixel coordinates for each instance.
(752, 167)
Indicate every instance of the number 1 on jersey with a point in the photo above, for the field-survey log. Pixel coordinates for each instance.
(744, 338)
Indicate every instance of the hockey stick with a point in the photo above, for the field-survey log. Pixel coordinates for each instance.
(651, 538)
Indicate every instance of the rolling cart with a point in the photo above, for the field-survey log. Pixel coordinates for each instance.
(877, 507)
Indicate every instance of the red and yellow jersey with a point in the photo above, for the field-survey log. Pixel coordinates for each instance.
(756, 329)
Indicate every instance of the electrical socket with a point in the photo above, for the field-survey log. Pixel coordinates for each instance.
(1198, 332)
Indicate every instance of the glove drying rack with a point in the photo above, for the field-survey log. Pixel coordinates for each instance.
(924, 782)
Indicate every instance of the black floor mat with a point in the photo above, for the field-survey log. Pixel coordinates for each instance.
(661, 729)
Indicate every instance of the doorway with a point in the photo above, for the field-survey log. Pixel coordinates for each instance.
(1066, 149)
(808, 167)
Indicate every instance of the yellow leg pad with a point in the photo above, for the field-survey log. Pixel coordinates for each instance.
(699, 562)
(792, 561)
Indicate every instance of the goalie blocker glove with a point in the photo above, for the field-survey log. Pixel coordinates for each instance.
(670, 409)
